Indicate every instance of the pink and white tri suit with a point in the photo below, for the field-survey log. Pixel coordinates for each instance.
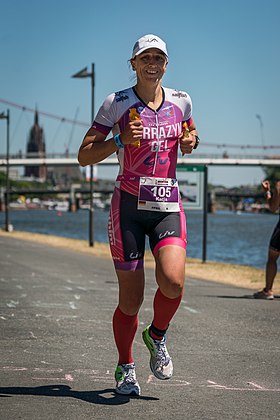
(155, 160)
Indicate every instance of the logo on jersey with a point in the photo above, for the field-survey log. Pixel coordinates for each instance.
(180, 94)
(149, 161)
(121, 96)
(162, 132)
(170, 112)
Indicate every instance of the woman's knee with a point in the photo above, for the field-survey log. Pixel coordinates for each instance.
(171, 279)
(174, 289)
(171, 285)
(130, 305)
(272, 255)
(131, 291)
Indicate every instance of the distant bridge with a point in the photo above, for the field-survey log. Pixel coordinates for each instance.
(237, 195)
(187, 160)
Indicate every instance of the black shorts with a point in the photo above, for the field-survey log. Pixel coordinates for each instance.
(275, 238)
(128, 228)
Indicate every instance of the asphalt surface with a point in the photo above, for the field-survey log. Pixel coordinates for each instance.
(58, 354)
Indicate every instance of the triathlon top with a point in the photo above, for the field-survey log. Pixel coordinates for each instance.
(157, 154)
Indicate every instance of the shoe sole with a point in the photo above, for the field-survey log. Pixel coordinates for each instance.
(156, 374)
(131, 394)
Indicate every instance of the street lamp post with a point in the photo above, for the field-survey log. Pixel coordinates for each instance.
(7, 195)
(80, 75)
(261, 128)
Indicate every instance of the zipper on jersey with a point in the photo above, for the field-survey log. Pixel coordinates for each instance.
(157, 131)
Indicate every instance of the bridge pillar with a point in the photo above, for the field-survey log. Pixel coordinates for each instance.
(211, 202)
(72, 199)
(234, 202)
(2, 199)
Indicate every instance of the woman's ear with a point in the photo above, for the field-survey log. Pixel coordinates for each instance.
(132, 64)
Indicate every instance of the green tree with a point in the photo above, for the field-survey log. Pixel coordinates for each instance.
(272, 174)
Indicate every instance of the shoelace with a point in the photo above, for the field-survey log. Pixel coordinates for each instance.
(129, 375)
(162, 353)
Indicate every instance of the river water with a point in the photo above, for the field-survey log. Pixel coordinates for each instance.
(231, 238)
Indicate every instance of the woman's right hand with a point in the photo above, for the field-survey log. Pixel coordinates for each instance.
(133, 132)
(266, 185)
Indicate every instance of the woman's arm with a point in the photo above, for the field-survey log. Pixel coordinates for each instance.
(94, 148)
(274, 201)
(193, 130)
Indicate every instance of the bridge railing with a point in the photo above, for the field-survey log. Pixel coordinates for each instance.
(197, 155)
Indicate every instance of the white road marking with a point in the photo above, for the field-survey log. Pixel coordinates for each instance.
(193, 311)
(255, 385)
(12, 303)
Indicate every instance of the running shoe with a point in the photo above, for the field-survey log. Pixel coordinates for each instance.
(127, 383)
(160, 362)
(262, 294)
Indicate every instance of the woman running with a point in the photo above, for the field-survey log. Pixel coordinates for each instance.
(273, 201)
(148, 123)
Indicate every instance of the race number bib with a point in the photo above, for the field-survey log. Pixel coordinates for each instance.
(158, 194)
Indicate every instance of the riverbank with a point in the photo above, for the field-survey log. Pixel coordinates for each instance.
(238, 275)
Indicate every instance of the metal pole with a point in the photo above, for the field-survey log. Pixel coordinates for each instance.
(261, 128)
(91, 210)
(7, 196)
(205, 211)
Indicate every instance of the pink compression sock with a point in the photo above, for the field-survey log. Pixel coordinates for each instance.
(124, 327)
(164, 310)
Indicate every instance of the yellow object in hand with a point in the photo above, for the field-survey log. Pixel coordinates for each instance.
(186, 131)
(133, 116)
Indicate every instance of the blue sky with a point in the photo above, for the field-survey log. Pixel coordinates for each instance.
(224, 54)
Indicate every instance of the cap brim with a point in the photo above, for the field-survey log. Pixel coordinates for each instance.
(148, 48)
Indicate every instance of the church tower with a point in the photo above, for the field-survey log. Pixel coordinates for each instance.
(36, 148)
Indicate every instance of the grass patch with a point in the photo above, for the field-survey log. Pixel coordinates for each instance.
(237, 275)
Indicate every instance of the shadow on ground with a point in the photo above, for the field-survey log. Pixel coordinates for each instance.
(94, 397)
(276, 297)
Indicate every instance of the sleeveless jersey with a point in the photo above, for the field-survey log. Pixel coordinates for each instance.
(157, 154)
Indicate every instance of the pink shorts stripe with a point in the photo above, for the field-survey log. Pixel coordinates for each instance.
(170, 241)
(183, 224)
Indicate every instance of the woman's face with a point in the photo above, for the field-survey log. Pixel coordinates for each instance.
(150, 66)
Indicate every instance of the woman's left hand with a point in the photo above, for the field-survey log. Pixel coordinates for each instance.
(187, 144)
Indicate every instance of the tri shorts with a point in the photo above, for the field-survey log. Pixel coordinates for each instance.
(275, 238)
(128, 228)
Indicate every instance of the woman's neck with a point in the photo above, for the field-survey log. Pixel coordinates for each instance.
(150, 96)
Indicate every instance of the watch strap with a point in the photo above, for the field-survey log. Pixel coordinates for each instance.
(197, 141)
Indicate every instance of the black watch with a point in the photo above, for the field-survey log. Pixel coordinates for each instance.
(197, 141)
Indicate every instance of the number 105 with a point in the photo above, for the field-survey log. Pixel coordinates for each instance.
(161, 191)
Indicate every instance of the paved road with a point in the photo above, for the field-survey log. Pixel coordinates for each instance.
(58, 355)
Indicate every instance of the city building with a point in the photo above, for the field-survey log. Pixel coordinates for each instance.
(36, 148)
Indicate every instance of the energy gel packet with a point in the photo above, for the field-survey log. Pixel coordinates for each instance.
(133, 116)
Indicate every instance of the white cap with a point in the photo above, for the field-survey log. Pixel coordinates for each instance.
(149, 41)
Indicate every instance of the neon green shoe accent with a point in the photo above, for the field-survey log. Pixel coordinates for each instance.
(126, 382)
(119, 373)
(160, 362)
